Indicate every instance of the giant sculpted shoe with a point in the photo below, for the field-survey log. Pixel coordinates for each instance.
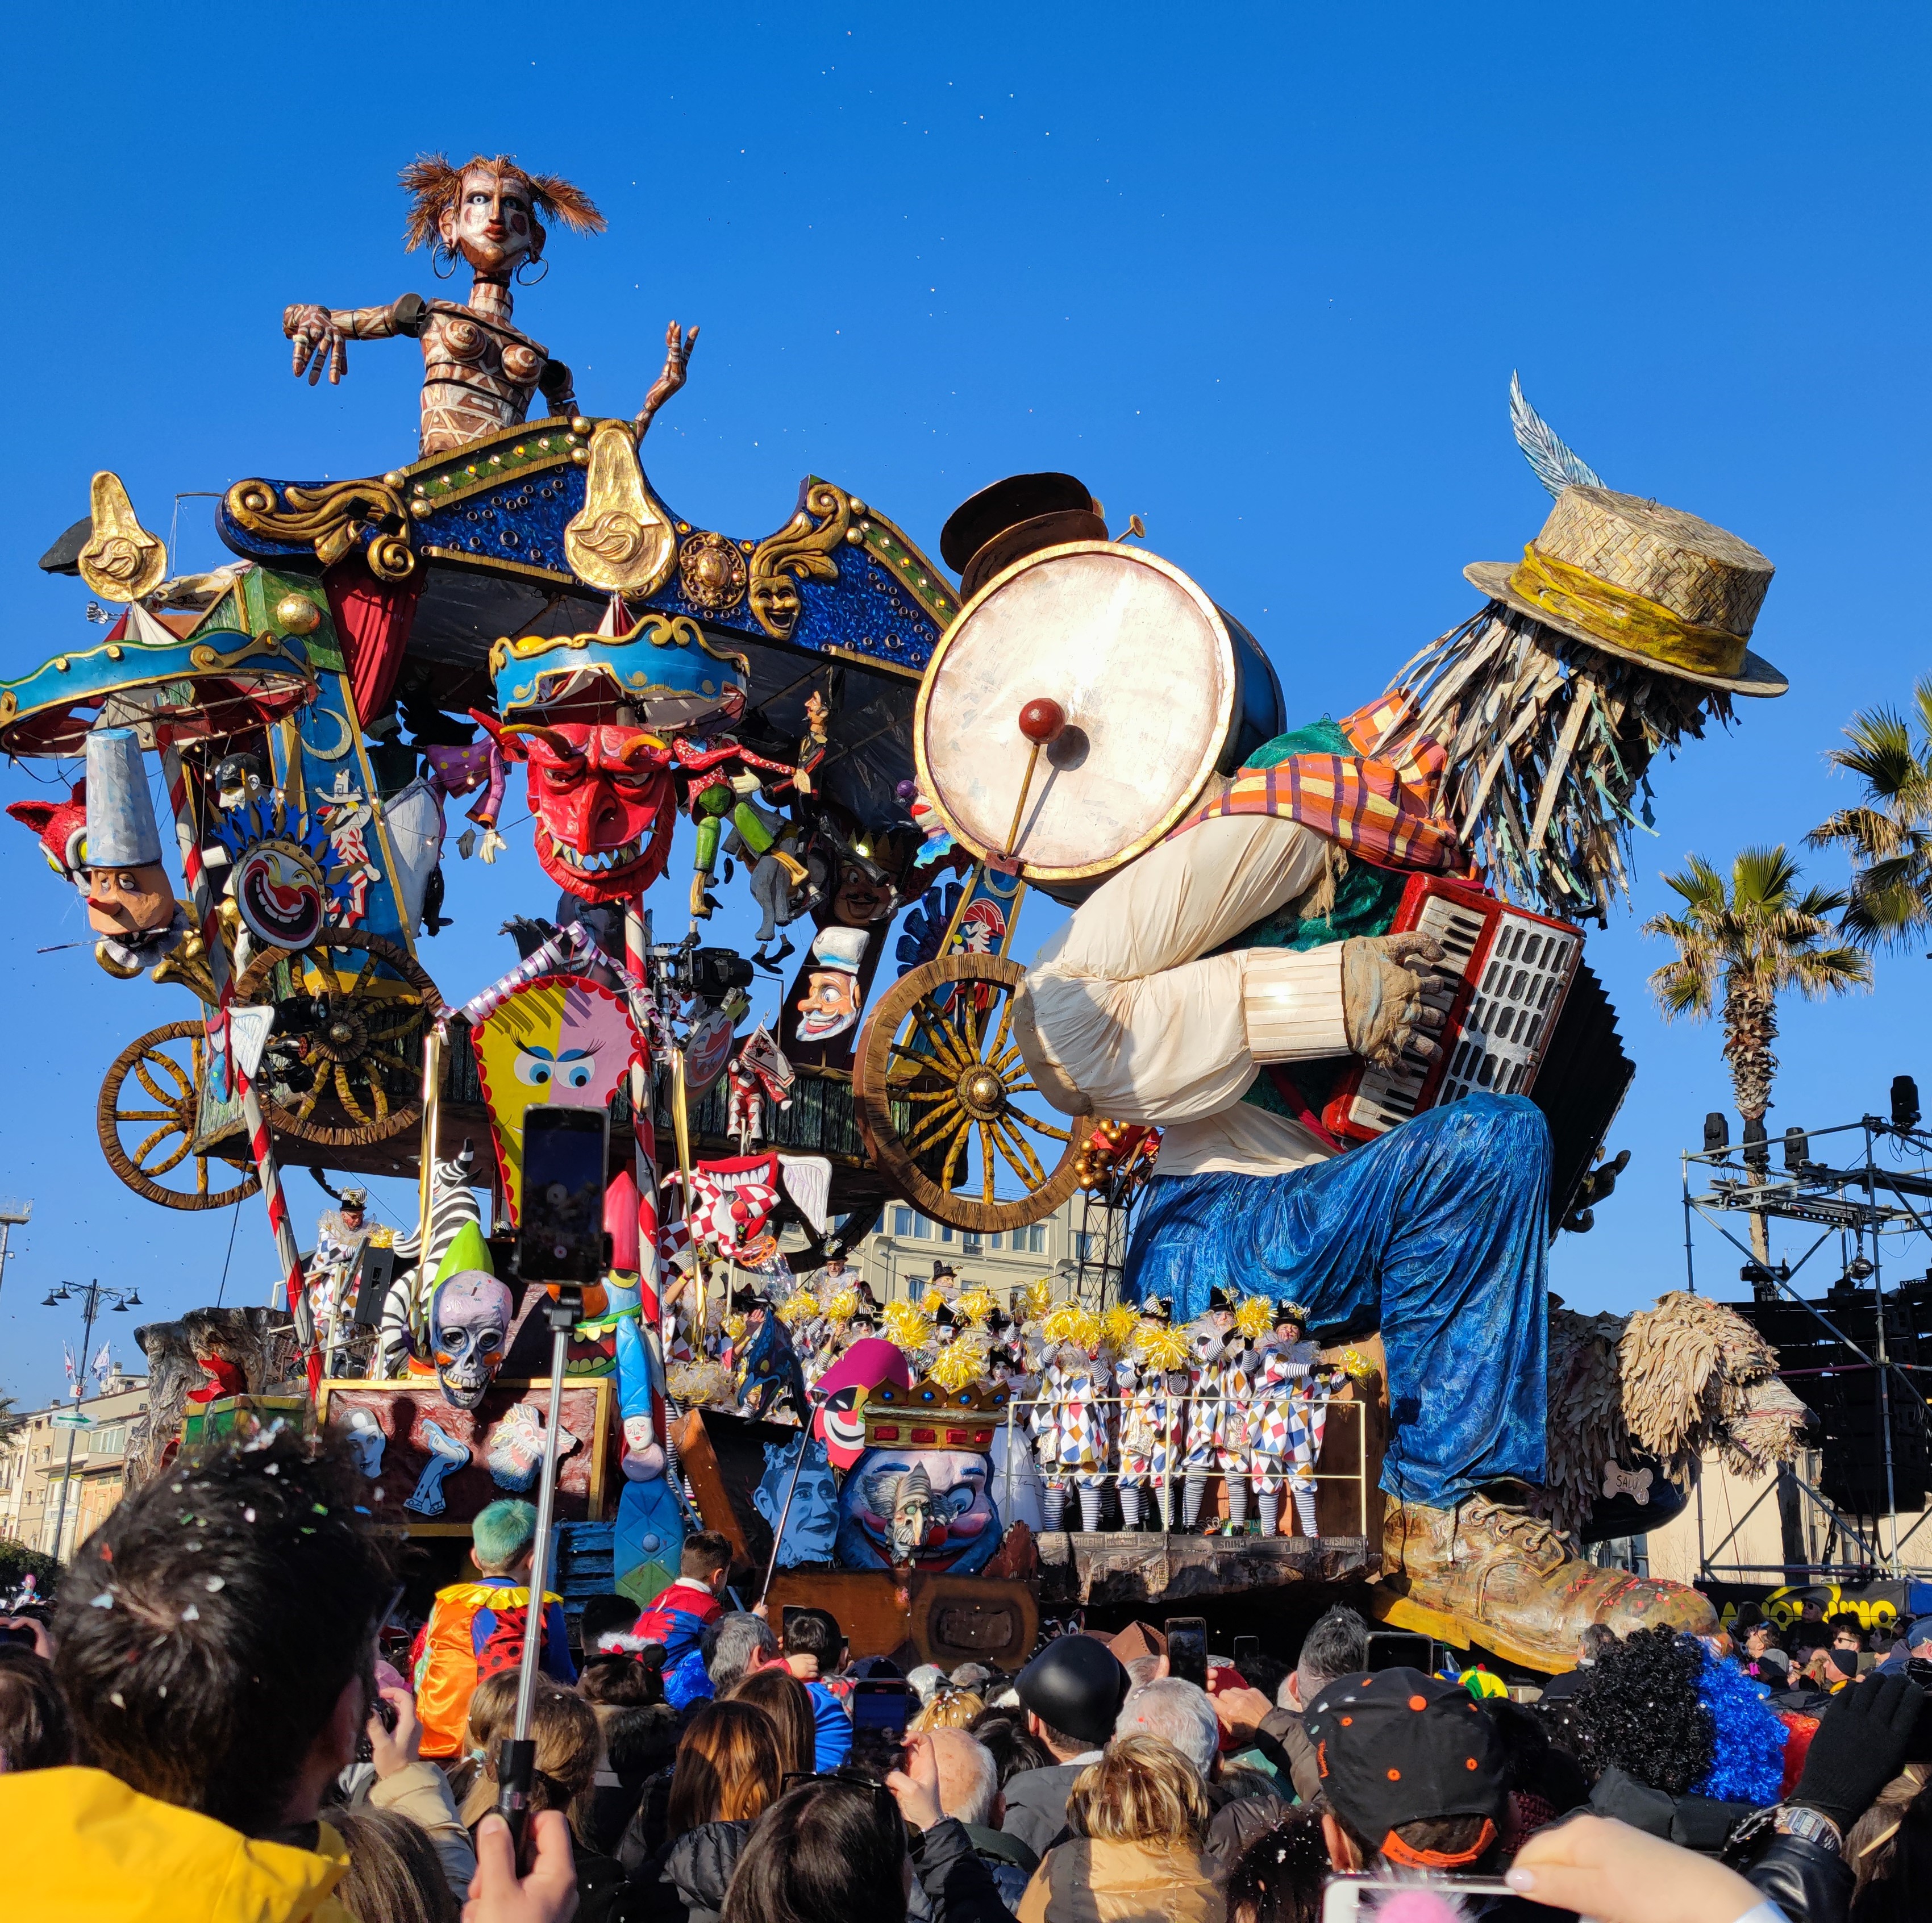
(1486, 1573)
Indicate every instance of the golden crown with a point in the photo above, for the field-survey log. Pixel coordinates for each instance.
(930, 1416)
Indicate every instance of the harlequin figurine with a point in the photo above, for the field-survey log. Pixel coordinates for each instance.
(1152, 1413)
(1206, 1336)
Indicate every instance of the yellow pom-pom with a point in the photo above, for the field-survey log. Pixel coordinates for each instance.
(800, 1306)
(907, 1325)
(1356, 1366)
(1031, 1303)
(1072, 1323)
(1162, 1348)
(382, 1238)
(958, 1363)
(975, 1306)
(1119, 1325)
(1255, 1317)
(843, 1306)
(932, 1301)
(702, 1385)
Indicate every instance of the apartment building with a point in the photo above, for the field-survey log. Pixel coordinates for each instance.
(898, 1257)
(34, 1459)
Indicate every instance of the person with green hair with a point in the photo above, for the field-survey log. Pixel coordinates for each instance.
(475, 1629)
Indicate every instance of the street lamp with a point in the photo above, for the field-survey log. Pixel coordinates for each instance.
(91, 1293)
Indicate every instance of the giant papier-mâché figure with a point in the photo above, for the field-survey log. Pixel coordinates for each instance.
(1215, 985)
(922, 1492)
(480, 372)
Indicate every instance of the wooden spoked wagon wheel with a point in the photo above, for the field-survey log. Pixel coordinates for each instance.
(153, 1091)
(938, 1078)
(343, 1066)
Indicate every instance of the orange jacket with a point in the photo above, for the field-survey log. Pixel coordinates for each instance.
(474, 1630)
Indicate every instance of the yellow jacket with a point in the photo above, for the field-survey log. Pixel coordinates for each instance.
(1085, 1882)
(86, 1849)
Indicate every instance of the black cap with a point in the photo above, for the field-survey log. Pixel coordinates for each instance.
(744, 1301)
(1399, 1747)
(1076, 1684)
(1219, 1298)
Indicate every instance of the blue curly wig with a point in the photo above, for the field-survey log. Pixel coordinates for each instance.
(1748, 1765)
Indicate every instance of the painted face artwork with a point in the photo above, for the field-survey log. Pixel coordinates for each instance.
(861, 900)
(643, 1453)
(280, 896)
(811, 1521)
(559, 1039)
(931, 1507)
(870, 1361)
(604, 803)
(493, 224)
(469, 1330)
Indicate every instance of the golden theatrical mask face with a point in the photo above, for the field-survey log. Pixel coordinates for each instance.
(125, 901)
(493, 225)
(777, 602)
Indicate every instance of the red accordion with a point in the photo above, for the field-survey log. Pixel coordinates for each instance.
(1512, 970)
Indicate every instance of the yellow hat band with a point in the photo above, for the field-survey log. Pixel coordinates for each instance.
(1629, 620)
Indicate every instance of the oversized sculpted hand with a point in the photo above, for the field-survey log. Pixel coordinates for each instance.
(1391, 997)
(318, 342)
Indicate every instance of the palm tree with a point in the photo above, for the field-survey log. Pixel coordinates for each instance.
(1751, 939)
(1889, 836)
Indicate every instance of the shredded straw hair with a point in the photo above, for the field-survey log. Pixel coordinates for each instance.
(1143, 1790)
(433, 185)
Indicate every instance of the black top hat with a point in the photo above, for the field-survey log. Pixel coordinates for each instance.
(744, 1301)
(1014, 518)
(942, 1271)
(942, 1317)
(1077, 1684)
(1286, 1310)
(834, 1248)
(1219, 1298)
(1157, 1308)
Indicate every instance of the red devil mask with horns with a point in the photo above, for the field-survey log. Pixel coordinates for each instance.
(603, 801)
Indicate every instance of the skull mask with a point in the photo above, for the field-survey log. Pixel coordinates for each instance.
(604, 800)
(470, 1330)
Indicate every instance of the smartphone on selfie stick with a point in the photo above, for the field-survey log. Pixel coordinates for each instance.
(561, 1244)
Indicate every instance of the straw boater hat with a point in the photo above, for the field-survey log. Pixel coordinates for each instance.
(1647, 583)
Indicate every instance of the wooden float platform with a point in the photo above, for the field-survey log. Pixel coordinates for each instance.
(1112, 1568)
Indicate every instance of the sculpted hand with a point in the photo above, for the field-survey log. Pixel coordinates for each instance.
(318, 342)
(1389, 1002)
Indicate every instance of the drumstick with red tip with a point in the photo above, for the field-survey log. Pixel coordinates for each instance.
(1042, 721)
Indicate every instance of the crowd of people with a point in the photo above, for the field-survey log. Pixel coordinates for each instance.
(205, 1728)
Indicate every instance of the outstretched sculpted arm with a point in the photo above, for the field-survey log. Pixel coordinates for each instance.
(322, 334)
(678, 345)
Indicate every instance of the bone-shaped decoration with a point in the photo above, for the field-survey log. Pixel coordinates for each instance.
(515, 1452)
(446, 1456)
(1618, 1480)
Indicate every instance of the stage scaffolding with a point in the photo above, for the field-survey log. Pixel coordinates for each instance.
(1863, 1186)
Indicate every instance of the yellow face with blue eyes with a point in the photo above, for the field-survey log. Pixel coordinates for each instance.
(559, 1039)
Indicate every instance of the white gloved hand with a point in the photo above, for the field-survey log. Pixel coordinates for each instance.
(1387, 1003)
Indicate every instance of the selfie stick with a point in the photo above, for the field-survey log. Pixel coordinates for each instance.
(791, 1489)
(516, 1755)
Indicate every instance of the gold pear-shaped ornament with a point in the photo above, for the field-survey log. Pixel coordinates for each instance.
(121, 560)
(622, 542)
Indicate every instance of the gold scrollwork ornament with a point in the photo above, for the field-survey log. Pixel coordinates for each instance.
(621, 540)
(711, 572)
(800, 551)
(330, 519)
(121, 560)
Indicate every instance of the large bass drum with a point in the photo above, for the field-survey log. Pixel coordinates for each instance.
(1161, 690)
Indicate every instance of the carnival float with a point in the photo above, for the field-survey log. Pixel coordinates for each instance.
(1319, 1041)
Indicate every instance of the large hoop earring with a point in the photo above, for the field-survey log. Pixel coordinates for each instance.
(440, 252)
(536, 279)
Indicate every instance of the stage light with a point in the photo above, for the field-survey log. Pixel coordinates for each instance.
(1717, 1132)
(1904, 1102)
(1797, 1149)
(1857, 1268)
(1757, 1146)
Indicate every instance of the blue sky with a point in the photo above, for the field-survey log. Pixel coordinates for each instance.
(1258, 274)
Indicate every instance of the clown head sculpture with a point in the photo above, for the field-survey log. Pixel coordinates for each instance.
(61, 827)
(922, 1492)
(604, 800)
(843, 1389)
(830, 1005)
(470, 1317)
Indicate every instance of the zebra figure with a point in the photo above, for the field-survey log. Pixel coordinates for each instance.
(453, 1206)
